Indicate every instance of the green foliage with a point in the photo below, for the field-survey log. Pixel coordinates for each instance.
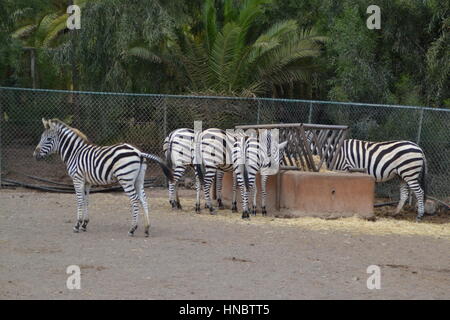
(226, 58)
(234, 47)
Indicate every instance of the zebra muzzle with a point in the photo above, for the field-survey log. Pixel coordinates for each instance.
(37, 154)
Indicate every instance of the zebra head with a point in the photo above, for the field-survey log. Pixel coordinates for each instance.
(49, 140)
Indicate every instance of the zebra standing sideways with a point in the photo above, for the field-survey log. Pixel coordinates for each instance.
(88, 164)
(250, 156)
(385, 160)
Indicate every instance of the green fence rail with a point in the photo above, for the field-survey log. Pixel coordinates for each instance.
(145, 119)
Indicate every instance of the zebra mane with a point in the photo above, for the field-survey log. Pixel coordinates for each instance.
(76, 131)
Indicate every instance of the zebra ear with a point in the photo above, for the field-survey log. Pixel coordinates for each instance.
(45, 123)
(51, 124)
(282, 145)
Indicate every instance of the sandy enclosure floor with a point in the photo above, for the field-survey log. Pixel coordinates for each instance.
(190, 256)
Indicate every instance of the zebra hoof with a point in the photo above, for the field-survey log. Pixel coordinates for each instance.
(76, 227)
(147, 232)
(254, 211)
(197, 208)
(245, 215)
(419, 219)
(234, 207)
(220, 204)
(84, 225)
(132, 230)
(212, 211)
(179, 206)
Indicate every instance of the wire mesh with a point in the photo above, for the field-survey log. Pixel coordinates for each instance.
(145, 120)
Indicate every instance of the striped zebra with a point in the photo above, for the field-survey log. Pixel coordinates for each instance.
(250, 156)
(384, 161)
(212, 145)
(89, 164)
(178, 149)
(213, 154)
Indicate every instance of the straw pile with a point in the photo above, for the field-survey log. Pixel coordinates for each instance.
(383, 225)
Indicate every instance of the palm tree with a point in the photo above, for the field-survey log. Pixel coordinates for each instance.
(42, 29)
(224, 58)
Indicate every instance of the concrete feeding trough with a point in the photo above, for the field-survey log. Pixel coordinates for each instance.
(313, 194)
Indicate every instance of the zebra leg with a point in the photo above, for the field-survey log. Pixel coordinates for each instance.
(404, 192)
(254, 191)
(208, 180)
(219, 179)
(234, 203)
(415, 187)
(130, 190)
(244, 193)
(79, 191)
(87, 188)
(263, 194)
(139, 185)
(173, 187)
(198, 188)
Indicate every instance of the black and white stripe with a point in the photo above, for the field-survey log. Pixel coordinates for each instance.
(178, 148)
(89, 164)
(252, 155)
(384, 161)
(213, 154)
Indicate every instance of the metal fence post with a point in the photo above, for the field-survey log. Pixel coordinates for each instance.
(165, 127)
(310, 113)
(257, 113)
(1, 151)
(165, 117)
(419, 130)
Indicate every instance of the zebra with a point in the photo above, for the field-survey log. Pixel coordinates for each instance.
(384, 161)
(178, 150)
(250, 156)
(213, 145)
(213, 156)
(88, 164)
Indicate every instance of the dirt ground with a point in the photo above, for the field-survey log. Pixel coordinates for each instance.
(190, 256)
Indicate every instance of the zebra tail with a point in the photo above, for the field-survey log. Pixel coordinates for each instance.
(245, 172)
(199, 167)
(423, 182)
(200, 172)
(244, 165)
(169, 155)
(166, 170)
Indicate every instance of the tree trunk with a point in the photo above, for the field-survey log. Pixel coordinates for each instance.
(33, 67)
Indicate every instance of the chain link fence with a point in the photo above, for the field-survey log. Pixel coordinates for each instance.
(145, 120)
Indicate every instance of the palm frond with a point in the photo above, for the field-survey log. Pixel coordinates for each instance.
(224, 52)
(144, 54)
(24, 31)
(57, 26)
